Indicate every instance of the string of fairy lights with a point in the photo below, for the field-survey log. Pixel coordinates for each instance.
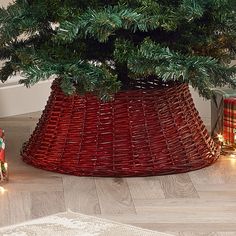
(227, 149)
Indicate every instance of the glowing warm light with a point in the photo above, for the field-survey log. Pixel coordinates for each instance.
(233, 156)
(233, 163)
(2, 190)
(220, 137)
(5, 165)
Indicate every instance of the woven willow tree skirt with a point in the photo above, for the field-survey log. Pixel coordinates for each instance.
(142, 132)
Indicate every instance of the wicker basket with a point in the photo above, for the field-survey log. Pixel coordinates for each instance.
(151, 131)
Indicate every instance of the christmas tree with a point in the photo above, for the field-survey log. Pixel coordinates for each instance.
(101, 46)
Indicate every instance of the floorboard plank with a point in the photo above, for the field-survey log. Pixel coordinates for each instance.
(189, 227)
(145, 188)
(20, 206)
(5, 217)
(207, 234)
(178, 186)
(114, 196)
(81, 195)
(47, 203)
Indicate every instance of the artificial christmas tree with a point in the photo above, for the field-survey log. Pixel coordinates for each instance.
(120, 104)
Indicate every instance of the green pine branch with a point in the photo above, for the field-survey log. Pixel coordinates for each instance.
(103, 23)
(6, 71)
(147, 16)
(152, 59)
(99, 24)
(80, 76)
(91, 77)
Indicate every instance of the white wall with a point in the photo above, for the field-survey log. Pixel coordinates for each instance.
(203, 106)
(5, 2)
(15, 99)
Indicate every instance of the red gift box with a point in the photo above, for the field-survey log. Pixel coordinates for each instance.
(223, 115)
(229, 121)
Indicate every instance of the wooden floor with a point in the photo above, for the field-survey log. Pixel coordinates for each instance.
(200, 203)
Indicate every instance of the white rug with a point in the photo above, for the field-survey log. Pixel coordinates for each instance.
(74, 224)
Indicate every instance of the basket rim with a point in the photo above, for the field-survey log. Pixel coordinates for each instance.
(168, 85)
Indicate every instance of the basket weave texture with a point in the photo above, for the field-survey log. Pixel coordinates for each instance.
(151, 131)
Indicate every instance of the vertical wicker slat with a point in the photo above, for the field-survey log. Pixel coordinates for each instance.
(145, 131)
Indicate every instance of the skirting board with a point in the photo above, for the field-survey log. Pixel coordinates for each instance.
(16, 99)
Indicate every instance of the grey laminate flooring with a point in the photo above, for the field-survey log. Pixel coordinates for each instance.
(200, 203)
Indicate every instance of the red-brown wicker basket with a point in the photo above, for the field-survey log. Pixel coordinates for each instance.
(151, 131)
